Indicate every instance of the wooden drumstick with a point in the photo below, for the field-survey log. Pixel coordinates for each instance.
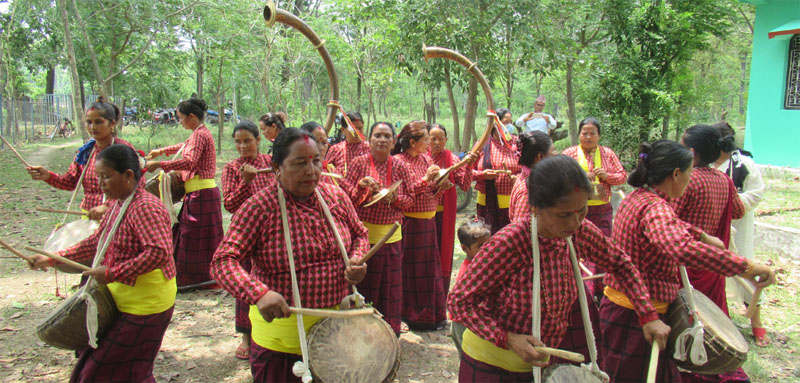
(563, 354)
(374, 249)
(751, 309)
(265, 170)
(594, 276)
(332, 313)
(15, 152)
(59, 258)
(48, 210)
(332, 175)
(16, 252)
(585, 269)
(651, 371)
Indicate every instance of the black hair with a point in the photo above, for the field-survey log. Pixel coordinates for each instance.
(531, 145)
(707, 143)
(285, 139)
(121, 158)
(106, 110)
(725, 130)
(587, 121)
(555, 178)
(353, 116)
(412, 131)
(472, 230)
(500, 112)
(388, 124)
(274, 118)
(194, 106)
(310, 126)
(657, 161)
(439, 126)
(246, 125)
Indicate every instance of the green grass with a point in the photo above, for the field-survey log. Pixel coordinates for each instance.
(782, 191)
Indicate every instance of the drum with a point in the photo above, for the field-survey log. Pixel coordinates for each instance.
(177, 189)
(724, 344)
(568, 373)
(65, 327)
(355, 349)
(69, 235)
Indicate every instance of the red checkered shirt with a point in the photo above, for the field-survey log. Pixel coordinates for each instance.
(143, 241)
(608, 161)
(336, 154)
(503, 157)
(234, 190)
(379, 213)
(425, 196)
(256, 231)
(199, 155)
(518, 207)
(92, 195)
(461, 177)
(494, 296)
(658, 242)
(706, 198)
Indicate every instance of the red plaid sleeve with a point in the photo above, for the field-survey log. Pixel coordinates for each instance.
(199, 156)
(172, 149)
(616, 173)
(234, 190)
(502, 158)
(518, 204)
(67, 181)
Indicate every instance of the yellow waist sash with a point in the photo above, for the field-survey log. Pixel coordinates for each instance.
(152, 293)
(376, 232)
(620, 299)
(421, 215)
(196, 183)
(281, 334)
(482, 350)
(503, 201)
(596, 202)
(439, 208)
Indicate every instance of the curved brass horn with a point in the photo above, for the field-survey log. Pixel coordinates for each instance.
(272, 15)
(438, 52)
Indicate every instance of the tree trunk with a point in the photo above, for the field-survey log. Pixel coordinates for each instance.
(359, 83)
(51, 80)
(665, 126)
(743, 84)
(572, 120)
(73, 66)
(104, 90)
(433, 107)
(120, 123)
(453, 109)
(200, 73)
(469, 117)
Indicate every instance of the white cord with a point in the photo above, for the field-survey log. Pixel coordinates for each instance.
(338, 237)
(536, 309)
(697, 352)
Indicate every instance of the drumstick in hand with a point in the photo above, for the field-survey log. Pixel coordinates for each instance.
(74, 212)
(563, 354)
(16, 152)
(595, 276)
(16, 252)
(59, 258)
(378, 245)
(332, 313)
(751, 310)
(651, 371)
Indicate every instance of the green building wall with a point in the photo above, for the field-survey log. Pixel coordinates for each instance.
(772, 132)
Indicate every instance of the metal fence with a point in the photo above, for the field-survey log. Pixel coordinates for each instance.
(26, 118)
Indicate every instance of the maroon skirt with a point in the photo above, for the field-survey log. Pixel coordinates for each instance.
(626, 354)
(127, 352)
(272, 366)
(383, 284)
(446, 271)
(423, 290)
(495, 218)
(197, 235)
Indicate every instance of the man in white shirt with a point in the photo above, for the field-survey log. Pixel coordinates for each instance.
(537, 120)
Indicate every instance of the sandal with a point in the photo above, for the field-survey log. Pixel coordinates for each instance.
(242, 353)
(762, 339)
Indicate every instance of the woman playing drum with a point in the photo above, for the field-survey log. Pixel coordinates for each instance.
(534, 146)
(341, 154)
(424, 295)
(101, 117)
(446, 209)
(256, 232)
(138, 270)
(240, 180)
(199, 227)
(494, 297)
(367, 175)
(318, 132)
(658, 242)
(494, 189)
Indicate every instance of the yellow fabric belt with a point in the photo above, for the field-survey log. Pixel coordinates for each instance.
(376, 232)
(503, 201)
(281, 334)
(421, 215)
(196, 183)
(439, 208)
(152, 293)
(595, 202)
(620, 299)
(484, 351)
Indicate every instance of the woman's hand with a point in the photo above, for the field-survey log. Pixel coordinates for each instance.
(248, 173)
(600, 173)
(522, 345)
(390, 198)
(272, 305)
(98, 273)
(470, 157)
(761, 275)
(153, 154)
(355, 274)
(96, 213)
(488, 174)
(656, 331)
(40, 262)
(431, 173)
(152, 166)
(712, 241)
(38, 173)
(369, 183)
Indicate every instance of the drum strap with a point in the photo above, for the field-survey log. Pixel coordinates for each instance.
(587, 323)
(697, 351)
(537, 289)
(327, 211)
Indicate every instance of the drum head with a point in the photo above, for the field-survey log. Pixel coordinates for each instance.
(68, 235)
(567, 373)
(356, 349)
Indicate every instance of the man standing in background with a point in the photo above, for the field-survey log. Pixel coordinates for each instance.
(537, 120)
